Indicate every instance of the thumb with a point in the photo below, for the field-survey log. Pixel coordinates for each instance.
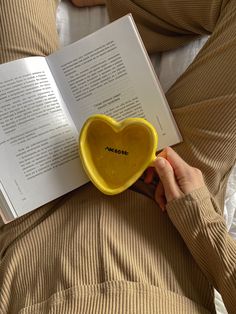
(167, 177)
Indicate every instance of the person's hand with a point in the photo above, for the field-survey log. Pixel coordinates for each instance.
(87, 3)
(177, 178)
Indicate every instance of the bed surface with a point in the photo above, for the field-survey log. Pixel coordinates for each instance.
(74, 23)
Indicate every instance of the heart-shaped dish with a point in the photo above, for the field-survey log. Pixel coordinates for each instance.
(115, 154)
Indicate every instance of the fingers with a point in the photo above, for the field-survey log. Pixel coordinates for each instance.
(178, 164)
(185, 177)
(160, 196)
(167, 177)
(177, 178)
(149, 175)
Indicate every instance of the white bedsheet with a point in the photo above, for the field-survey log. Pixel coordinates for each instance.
(74, 23)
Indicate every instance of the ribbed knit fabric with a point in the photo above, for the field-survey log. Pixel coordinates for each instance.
(203, 98)
(27, 28)
(122, 250)
(89, 253)
(205, 233)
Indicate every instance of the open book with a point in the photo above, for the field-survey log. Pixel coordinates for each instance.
(45, 101)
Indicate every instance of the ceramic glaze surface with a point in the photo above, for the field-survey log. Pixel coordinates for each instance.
(114, 154)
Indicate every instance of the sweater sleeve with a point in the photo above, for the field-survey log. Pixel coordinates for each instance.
(204, 231)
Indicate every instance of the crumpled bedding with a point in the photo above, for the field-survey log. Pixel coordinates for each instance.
(74, 23)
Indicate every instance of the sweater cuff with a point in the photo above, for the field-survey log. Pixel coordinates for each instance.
(194, 209)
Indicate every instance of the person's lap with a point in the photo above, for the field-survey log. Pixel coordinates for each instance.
(89, 239)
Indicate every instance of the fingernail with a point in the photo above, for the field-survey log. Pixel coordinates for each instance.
(160, 162)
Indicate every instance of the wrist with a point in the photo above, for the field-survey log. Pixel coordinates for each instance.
(193, 210)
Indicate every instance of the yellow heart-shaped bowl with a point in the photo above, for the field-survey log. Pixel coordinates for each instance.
(115, 154)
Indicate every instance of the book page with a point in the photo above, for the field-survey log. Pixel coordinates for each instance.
(38, 148)
(110, 73)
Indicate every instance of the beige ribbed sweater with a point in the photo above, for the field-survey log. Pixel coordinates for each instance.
(95, 254)
(89, 253)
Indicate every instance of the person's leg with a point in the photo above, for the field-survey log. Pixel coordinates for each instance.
(27, 28)
(203, 98)
(203, 101)
(168, 24)
(87, 3)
